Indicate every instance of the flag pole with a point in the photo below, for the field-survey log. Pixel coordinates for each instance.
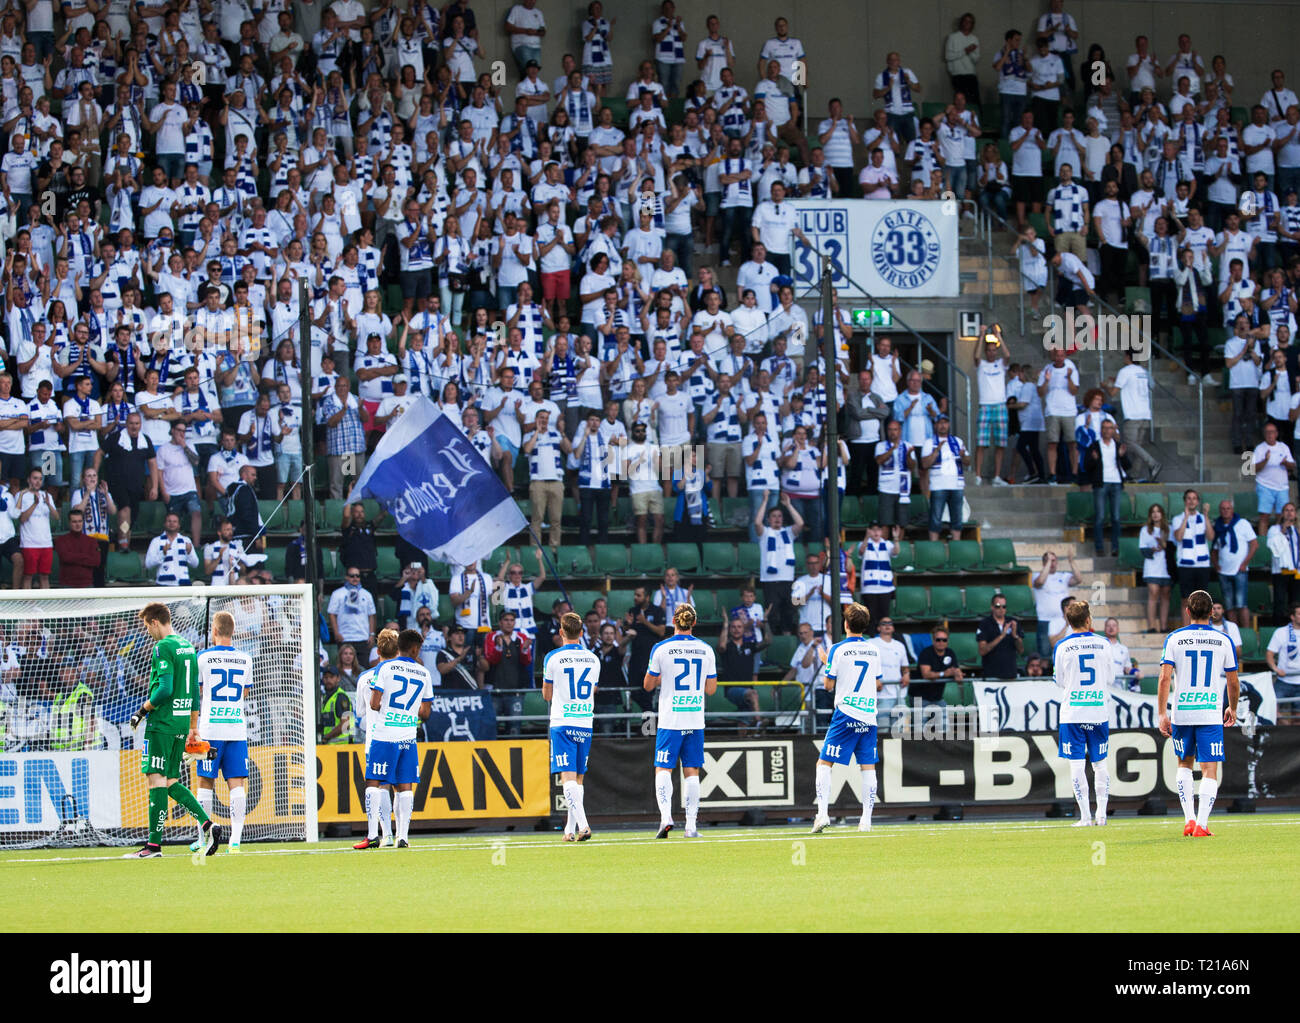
(308, 443)
(830, 381)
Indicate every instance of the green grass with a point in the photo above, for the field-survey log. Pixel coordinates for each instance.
(1135, 874)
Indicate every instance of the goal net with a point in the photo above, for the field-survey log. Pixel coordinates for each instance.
(74, 666)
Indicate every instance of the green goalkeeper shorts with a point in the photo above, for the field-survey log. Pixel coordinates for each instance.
(162, 754)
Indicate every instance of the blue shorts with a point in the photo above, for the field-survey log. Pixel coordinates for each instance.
(1270, 501)
(1203, 743)
(393, 763)
(570, 748)
(509, 447)
(229, 756)
(1084, 741)
(1234, 590)
(184, 504)
(673, 744)
(847, 738)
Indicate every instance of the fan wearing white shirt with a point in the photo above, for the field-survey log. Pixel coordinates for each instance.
(1234, 546)
(1133, 385)
(1283, 541)
(1273, 464)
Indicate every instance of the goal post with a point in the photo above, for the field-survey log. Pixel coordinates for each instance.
(74, 666)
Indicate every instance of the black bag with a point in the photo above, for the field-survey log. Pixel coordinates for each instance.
(457, 283)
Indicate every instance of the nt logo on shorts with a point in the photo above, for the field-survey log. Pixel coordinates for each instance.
(73, 976)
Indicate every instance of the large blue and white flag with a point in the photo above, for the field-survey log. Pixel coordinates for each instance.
(442, 494)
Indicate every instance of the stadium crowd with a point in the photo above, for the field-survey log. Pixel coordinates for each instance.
(545, 261)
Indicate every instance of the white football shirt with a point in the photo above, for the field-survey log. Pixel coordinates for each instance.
(683, 664)
(1200, 655)
(854, 665)
(405, 684)
(573, 671)
(224, 675)
(1084, 667)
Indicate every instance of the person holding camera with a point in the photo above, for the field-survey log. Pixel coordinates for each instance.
(1001, 642)
(991, 363)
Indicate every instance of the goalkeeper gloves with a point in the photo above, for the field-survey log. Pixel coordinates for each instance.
(138, 716)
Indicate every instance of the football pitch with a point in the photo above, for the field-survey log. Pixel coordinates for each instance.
(1134, 874)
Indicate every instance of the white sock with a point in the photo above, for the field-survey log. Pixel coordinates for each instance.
(1185, 797)
(868, 795)
(405, 805)
(385, 810)
(1209, 789)
(664, 795)
(823, 789)
(1101, 778)
(238, 804)
(573, 796)
(1079, 779)
(568, 820)
(692, 790)
(372, 813)
(205, 801)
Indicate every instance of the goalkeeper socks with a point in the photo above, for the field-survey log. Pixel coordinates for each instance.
(372, 814)
(868, 795)
(157, 814)
(186, 799)
(385, 810)
(238, 804)
(1209, 789)
(1101, 776)
(1185, 797)
(664, 795)
(823, 789)
(205, 801)
(573, 797)
(405, 804)
(1079, 779)
(692, 790)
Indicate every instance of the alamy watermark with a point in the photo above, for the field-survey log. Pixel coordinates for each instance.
(1105, 332)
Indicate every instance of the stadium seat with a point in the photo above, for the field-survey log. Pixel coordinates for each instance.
(535, 706)
(611, 559)
(1263, 558)
(1020, 602)
(780, 650)
(978, 601)
(387, 609)
(1000, 556)
(706, 607)
(952, 694)
(685, 557)
(574, 560)
(275, 563)
(389, 569)
(929, 555)
(150, 520)
(919, 514)
(1251, 648)
(869, 508)
(904, 560)
(332, 515)
(965, 648)
(946, 602)
(911, 603)
(1265, 637)
(271, 515)
(569, 510)
(1246, 504)
(330, 563)
(1142, 502)
(440, 571)
(1149, 685)
(1259, 598)
(719, 558)
(963, 556)
(1078, 508)
(748, 559)
(292, 514)
(647, 559)
(580, 599)
(493, 562)
(1130, 556)
(620, 602)
(125, 567)
(851, 513)
(617, 106)
(727, 599)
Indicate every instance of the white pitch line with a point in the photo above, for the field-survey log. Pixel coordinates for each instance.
(612, 839)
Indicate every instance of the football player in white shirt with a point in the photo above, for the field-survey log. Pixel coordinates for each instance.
(400, 684)
(575, 670)
(1084, 667)
(853, 672)
(1195, 658)
(692, 675)
(224, 676)
(379, 798)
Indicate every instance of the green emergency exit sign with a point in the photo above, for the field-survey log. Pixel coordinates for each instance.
(873, 318)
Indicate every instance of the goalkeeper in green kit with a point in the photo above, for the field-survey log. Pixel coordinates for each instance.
(172, 712)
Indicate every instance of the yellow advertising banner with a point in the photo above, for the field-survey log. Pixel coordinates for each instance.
(458, 781)
(275, 788)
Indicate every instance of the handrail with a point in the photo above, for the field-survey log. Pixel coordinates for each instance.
(924, 344)
(1013, 260)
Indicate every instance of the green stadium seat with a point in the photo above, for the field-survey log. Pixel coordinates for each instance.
(965, 648)
(911, 603)
(946, 602)
(331, 517)
(1130, 555)
(1149, 684)
(611, 559)
(574, 559)
(1263, 558)
(685, 557)
(493, 562)
(1137, 300)
(931, 109)
(963, 556)
(719, 558)
(930, 555)
(1251, 648)
(291, 516)
(439, 570)
(535, 706)
(952, 694)
(904, 560)
(1209, 503)
(580, 599)
(1142, 502)
(569, 510)
(1246, 504)
(1259, 598)
(1020, 602)
(389, 568)
(150, 520)
(330, 563)
(271, 515)
(1000, 556)
(919, 513)
(978, 599)
(444, 608)
(705, 603)
(275, 563)
(851, 513)
(617, 106)
(620, 602)
(727, 599)
(869, 508)
(1079, 508)
(780, 650)
(647, 559)
(125, 567)
(749, 559)
(387, 609)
